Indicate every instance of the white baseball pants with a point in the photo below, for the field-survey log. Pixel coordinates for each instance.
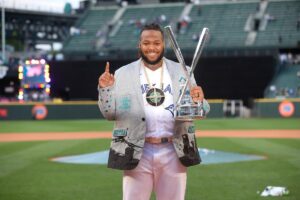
(159, 170)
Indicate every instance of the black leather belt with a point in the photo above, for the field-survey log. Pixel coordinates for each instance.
(162, 140)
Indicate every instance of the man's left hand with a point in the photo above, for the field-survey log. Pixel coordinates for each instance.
(197, 94)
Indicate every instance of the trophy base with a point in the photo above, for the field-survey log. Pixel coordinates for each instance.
(188, 118)
(189, 112)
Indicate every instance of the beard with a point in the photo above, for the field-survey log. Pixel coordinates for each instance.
(146, 60)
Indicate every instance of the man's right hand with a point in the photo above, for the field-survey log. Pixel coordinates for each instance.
(106, 79)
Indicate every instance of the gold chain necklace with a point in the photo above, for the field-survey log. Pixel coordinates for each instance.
(155, 96)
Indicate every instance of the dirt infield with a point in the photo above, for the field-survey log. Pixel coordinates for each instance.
(18, 137)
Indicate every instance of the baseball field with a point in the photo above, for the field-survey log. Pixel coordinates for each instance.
(27, 172)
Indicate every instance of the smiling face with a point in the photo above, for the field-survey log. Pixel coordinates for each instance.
(151, 46)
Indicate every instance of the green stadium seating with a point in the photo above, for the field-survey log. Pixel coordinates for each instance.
(286, 82)
(91, 23)
(225, 21)
(127, 36)
(286, 14)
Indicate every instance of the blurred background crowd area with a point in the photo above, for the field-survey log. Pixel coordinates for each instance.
(56, 51)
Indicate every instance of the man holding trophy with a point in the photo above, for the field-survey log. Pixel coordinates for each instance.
(153, 102)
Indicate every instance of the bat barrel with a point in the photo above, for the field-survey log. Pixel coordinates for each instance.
(201, 43)
(176, 48)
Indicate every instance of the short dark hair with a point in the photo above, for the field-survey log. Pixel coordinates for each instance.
(152, 26)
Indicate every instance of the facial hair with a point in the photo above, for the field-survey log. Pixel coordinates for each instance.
(146, 60)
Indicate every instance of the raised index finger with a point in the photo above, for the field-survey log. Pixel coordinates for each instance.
(107, 67)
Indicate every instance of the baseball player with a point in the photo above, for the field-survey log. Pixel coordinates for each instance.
(148, 143)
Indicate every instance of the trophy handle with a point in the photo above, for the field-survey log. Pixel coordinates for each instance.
(198, 51)
(203, 38)
(179, 57)
(176, 48)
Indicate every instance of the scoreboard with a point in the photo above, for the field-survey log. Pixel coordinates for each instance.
(35, 80)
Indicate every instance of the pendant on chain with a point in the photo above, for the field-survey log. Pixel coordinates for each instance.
(155, 97)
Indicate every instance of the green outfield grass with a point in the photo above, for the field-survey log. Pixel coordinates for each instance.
(27, 174)
(104, 125)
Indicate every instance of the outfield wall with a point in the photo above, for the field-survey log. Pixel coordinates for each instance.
(277, 108)
(269, 108)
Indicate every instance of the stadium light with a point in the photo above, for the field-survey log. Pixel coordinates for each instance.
(3, 30)
(21, 94)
